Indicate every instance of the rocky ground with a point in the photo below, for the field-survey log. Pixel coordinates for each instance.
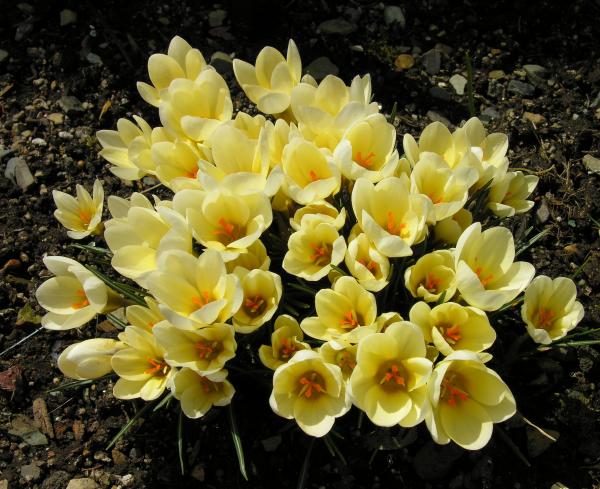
(68, 69)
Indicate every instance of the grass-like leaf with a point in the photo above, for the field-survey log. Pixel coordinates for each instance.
(180, 441)
(127, 291)
(164, 401)
(237, 441)
(129, 424)
(305, 465)
(92, 249)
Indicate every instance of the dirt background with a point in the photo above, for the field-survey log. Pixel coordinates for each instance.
(55, 81)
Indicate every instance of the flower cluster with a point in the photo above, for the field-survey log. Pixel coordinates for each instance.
(311, 208)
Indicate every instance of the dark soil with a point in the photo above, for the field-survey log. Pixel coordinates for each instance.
(555, 389)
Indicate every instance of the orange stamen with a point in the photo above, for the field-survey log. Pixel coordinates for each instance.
(287, 349)
(254, 305)
(83, 302)
(432, 282)
(85, 216)
(308, 386)
(313, 176)
(348, 322)
(205, 351)
(545, 317)
(391, 226)
(434, 199)
(227, 230)
(484, 280)
(321, 254)
(393, 373)
(156, 366)
(369, 265)
(365, 161)
(202, 301)
(452, 394)
(192, 174)
(453, 332)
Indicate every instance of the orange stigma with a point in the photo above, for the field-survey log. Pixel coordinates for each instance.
(203, 300)
(313, 176)
(432, 282)
(393, 373)
(364, 161)
(452, 394)
(254, 305)
(83, 302)
(546, 317)
(368, 264)
(85, 216)
(394, 228)
(310, 386)
(205, 350)
(226, 230)
(452, 333)
(434, 199)
(156, 367)
(349, 321)
(287, 350)
(484, 280)
(321, 255)
(192, 174)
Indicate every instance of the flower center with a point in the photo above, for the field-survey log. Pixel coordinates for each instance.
(85, 216)
(450, 332)
(452, 393)
(546, 317)
(207, 349)
(432, 282)
(368, 264)
(312, 176)
(393, 377)
(157, 367)
(227, 232)
(345, 360)
(255, 306)
(192, 174)
(434, 198)
(393, 228)
(349, 321)
(312, 385)
(83, 302)
(321, 255)
(201, 301)
(365, 161)
(484, 280)
(287, 348)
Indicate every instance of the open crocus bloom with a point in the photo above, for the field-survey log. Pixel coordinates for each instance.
(346, 313)
(449, 230)
(269, 83)
(431, 276)
(204, 350)
(141, 366)
(344, 357)
(508, 195)
(451, 327)
(486, 276)
(391, 217)
(286, 341)
(176, 164)
(81, 215)
(389, 380)
(366, 264)
(550, 310)
(88, 359)
(74, 296)
(262, 293)
(194, 292)
(466, 399)
(181, 61)
(311, 391)
(198, 393)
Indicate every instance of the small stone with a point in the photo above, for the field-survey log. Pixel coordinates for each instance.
(336, 26)
(440, 94)
(102, 457)
(538, 443)
(222, 62)
(521, 88)
(18, 172)
(3, 55)
(591, 163)
(392, 14)
(4, 484)
(69, 103)
(198, 473)
(127, 480)
(118, 457)
(435, 117)
(321, 67)
(536, 74)
(216, 18)
(39, 142)
(432, 61)
(543, 212)
(535, 118)
(459, 83)
(56, 117)
(22, 30)
(30, 472)
(496, 74)
(404, 62)
(94, 59)
(84, 483)
(67, 17)
(65, 135)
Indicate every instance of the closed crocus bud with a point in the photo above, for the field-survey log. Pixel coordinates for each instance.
(198, 393)
(466, 399)
(451, 327)
(431, 276)
(550, 310)
(508, 195)
(486, 275)
(88, 359)
(366, 264)
(347, 313)
(74, 296)
(262, 293)
(181, 61)
(391, 217)
(81, 215)
(286, 341)
(269, 83)
(341, 354)
(310, 391)
(450, 229)
(389, 380)
(320, 210)
(313, 249)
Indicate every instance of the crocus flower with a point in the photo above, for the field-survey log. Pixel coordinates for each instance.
(321, 210)
(431, 276)
(88, 359)
(262, 293)
(144, 317)
(81, 215)
(286, 341)
(449, 230)
(344, 357)
(198, 393)
(176, 164)
(508, 195)
(256, 257)
(366, 264)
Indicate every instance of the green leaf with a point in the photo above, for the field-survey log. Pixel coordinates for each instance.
(129, 425)
(305, 465)
(180, 441)
(237, 441)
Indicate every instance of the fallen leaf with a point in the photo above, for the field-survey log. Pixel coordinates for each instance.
(27, 315)
(10, 377)
(41, 417)
(105, 108)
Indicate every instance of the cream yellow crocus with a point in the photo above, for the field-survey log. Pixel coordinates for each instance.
(262, 292)
(119, 207)
(347, 313)
(369, 267)
(278, 135)
(269, 83)
(195, 108)
(205, 350)
(250, 125)
(550, 309)
(371, 153)
(198, 393)
(321, 210)
(286, 341)
(141, 366)
(88, 359)
(486, 275)
(389, 380)
(508, 195)
(341, 354)
(449, 230)
(194, 292)
(224, 221)
(181, 61)
(433, 177)
(81, 215)
(144, 317)
(431, 276)
(467, 398)
(310, 391)
(452, 327)
(74, 296)
(255, 258)
(391, 217)
(177, 164)
(385, 319)
(313, 249)
(310, 173)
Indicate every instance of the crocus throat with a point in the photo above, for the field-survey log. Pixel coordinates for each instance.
(85, 216)
(311, 385)
(254, 306)
(546, 317)
(368, 264)
(83, 302)
(393, 228)
(287, 349)
(364, 161)
(393, 374)
(432, 282)
(227, 231)
(451, 333)
(192, 174)
(321, 255)
(201, 301)
(451, 393)
(434, 198)
(345, 361)
(206, 350)
(312, 175)
(348, 321)
(484, 280)
(156, 367)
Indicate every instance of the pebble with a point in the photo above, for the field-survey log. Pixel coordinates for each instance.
(67, 17)
(537, 443)
(4, 484)
(65, 135)
(22, 31)
(321, 67)
(404, 62)
(216, 18)
(38, 142)
(591, 163)
(488, 114)
(56, 117)
(440, 94)
(3, 55)
(25, 428)
(535, 118)
(392, 14)
(496, 74)
(84, 483)
(536, 74)
(459, 83)
(336, 26)
(521, 88)
(543, 212)
(118, 457)
(30, 472)
(18, 172)
(94, 59)
(432, 61)
(127, 480)
(222, 62)
(435, 117)
(69, 103)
